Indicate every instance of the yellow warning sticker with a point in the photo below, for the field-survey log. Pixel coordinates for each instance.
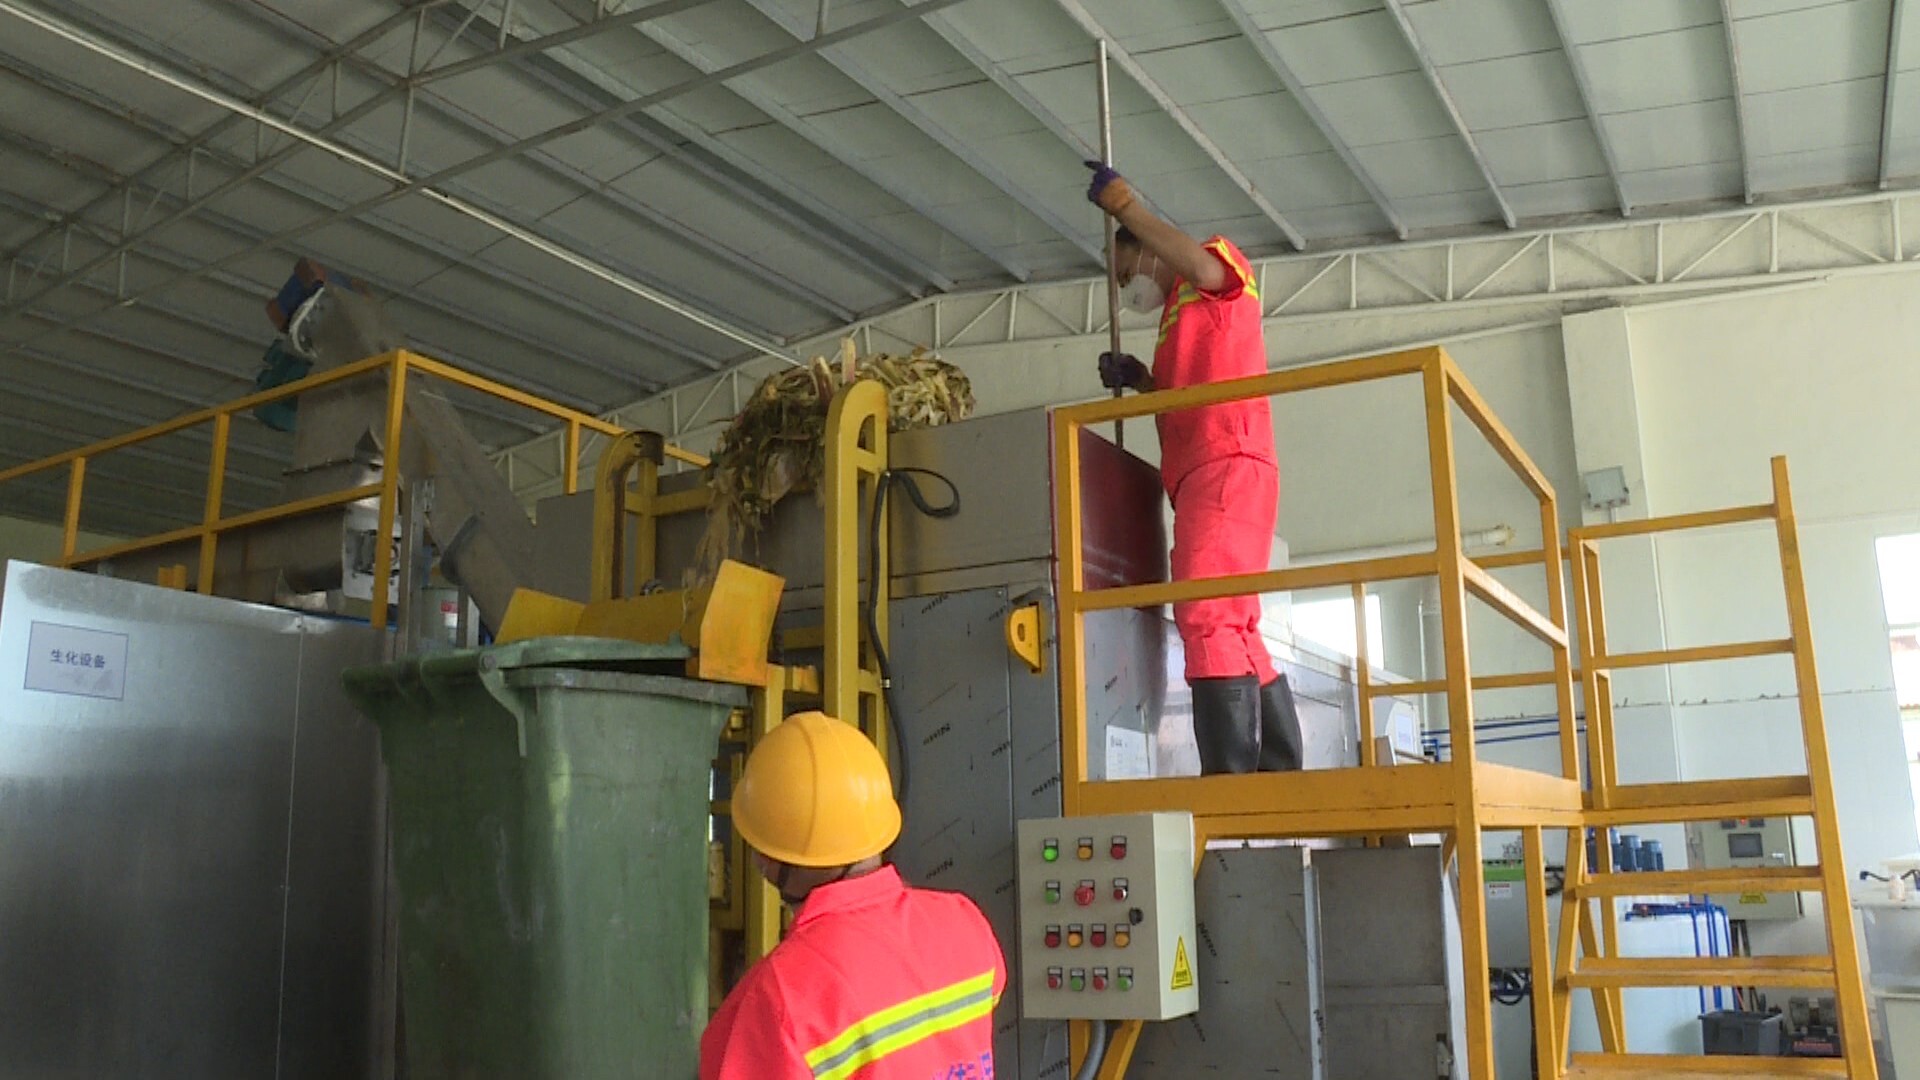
(1182, 968)
(1753, 898)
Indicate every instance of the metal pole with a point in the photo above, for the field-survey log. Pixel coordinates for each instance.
(1113, 255)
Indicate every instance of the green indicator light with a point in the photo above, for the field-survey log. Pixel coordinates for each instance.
(1124, 982)
(1079, 982)
(1051, 852)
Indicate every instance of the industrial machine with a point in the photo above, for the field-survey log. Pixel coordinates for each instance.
(1751, 843)
(1004, 694)
(322, 561)
(973, 663)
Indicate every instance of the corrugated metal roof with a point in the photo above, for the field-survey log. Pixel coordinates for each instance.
(938, 152)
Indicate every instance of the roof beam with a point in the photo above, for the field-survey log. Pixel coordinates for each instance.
(950, 32)
(1270, 53)
(1739, 102)
(183, 269)
(1164, 100)
(1896, 30)
(315, 71)
(881, 259)
(1397, 9)
(1583, 82)
(392, 230)
(834, 147)
(843, 60)
(433, 186)
(555, 167)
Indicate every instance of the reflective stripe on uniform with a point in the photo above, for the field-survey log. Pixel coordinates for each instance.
(1241, 268)
(903, 1025)
(1187, 294)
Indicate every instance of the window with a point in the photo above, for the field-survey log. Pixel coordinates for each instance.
(1900, 590)
(1329, 624)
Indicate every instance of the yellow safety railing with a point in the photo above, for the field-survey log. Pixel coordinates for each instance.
(1459, 798)
(215, 522)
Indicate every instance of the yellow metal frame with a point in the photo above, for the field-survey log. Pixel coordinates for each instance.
(856, 456)
(848, 684)
(1597, 964)
(1459, 798)
(1466, 795)
(396, 367)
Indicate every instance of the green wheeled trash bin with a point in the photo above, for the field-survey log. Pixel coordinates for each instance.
(549, 807)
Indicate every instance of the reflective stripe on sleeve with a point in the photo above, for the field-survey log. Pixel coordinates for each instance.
(900, 1026)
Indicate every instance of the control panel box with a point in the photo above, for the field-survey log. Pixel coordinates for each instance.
(1749, 842)
(1106, 918)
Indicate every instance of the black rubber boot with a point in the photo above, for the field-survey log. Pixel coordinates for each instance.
(1281, 742)
(1226, 724)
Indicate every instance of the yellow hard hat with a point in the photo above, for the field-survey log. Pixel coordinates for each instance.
(816, 793)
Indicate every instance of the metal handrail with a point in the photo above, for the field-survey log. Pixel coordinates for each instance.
(1455, 797)
(215, 522)
(1445, 387)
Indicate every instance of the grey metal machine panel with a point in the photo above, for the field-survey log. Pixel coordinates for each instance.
(984, 731)
(1259, 1000)
(190, 876)
(977, 764)
(1000, 465)
(1390, 953)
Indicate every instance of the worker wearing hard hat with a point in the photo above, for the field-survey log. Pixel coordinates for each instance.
(1218, 465)
(876, 980)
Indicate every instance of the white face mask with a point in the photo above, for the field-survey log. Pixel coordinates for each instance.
(1141, 292)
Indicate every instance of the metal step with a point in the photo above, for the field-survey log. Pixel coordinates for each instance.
(1677, 1067)
(1771, 879)
(1682, 971)
(1706, 800)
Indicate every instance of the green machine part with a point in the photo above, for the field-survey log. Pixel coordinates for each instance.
(549, 808)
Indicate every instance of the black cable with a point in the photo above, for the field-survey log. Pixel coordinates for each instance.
(904, 477)
(1511, 986)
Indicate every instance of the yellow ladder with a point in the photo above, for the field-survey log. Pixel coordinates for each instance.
(1588, 955)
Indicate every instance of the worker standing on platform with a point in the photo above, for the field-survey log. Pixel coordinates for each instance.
(876, 980)
(1218, 465)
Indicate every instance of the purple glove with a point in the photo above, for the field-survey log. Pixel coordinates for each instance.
(1108, 190)
(1123, 372)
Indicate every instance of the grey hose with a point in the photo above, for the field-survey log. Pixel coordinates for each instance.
(1096, 1051)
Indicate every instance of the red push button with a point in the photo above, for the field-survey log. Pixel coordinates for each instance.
(1084, 894)
(1056, 978)
(1053, 937)
(1119, 849)
(1120, 888)
(1098, 936)
(1099, 978)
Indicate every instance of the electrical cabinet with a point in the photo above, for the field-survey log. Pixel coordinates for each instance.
(1106, 918)
(1749, 842)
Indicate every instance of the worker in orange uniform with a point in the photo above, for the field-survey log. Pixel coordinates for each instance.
(876, 980)
(1218, 465)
